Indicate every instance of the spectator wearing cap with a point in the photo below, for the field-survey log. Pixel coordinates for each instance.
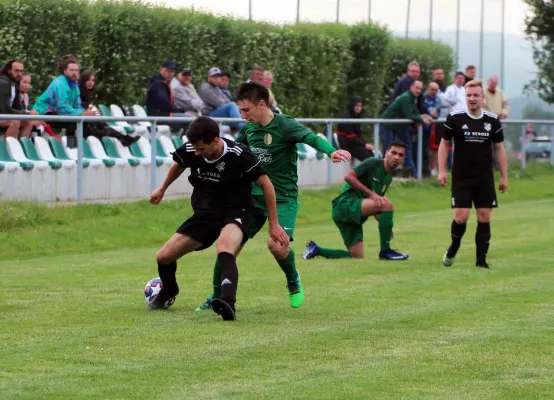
(185, 94)
(216, 104)
(224, 85)
(159, 96)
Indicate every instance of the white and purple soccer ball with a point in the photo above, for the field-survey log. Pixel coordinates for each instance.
(152, 289)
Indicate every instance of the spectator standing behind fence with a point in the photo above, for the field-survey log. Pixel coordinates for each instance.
(256, 74)
(216, 104)
(471, 71)
(404, 107)
(63, 97)
(494, 100)
(268, 82)
(87, 83)
(438, 78)
(434, 105)
(10, 100)
(404, 84)
(185, 94)
(350, 135)
(456, 93)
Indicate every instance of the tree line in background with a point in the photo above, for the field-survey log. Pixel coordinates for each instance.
(317, 67)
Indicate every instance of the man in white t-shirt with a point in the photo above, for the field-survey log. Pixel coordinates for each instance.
(456, 93)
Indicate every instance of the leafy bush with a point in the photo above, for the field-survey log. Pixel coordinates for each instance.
(317, 67)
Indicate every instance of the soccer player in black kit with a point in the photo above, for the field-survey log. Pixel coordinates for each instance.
(221, 173)
(475, 133)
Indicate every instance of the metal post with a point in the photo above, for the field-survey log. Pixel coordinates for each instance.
(482, 38)
(523, 152)
(250, 10)
(80, 162)
(338, 10)
(153, 167)
(458, 35)
(329, 162)
(376, 139)
(369, 12)
(503, 16)
(408, 17)
(430, 20)
(297, 11)
(552, 145)
(419, 153)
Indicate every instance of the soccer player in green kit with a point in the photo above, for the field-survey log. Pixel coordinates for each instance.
(360, 198)
(273, 138)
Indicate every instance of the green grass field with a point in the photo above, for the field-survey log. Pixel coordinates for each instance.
(74, 324)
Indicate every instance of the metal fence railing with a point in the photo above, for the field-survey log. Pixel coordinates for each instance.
(328, 122)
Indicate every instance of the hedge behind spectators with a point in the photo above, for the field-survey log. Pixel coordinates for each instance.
(317, 67)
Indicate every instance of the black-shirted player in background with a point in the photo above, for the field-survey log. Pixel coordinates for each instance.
(475, 133)
(222, 173)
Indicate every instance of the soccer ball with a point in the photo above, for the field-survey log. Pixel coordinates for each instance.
(152, 289)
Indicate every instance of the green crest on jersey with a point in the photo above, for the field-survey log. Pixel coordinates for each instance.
(268, 139)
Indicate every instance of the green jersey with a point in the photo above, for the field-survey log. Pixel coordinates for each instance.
(371, 172)
(275, 146)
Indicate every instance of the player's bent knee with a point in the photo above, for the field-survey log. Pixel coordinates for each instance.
(484, 215)
(163, 257)
(387, 206)
(277, 249)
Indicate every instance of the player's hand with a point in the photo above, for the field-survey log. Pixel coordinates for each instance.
(380, 200)
(369, 146)
(340, 155)
(278, 234)
(503, 185)
(443, 178)
(157, 196)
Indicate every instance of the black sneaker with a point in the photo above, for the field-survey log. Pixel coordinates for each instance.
(164, 299)
(482, 265)
(224, 309)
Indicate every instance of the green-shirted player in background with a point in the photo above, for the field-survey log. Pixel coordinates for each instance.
(360, 198)
(273, 138)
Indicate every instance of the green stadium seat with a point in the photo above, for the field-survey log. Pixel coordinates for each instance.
(137, 152)
(5, 157)
(31, 153)
(177, 141)
(107, 113)
(111, 151)
(87, 153)
(59, 151)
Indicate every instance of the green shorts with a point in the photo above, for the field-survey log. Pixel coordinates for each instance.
(347, 216)
(286, 214)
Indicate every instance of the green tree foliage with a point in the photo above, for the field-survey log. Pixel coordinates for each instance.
(317, 67)
(540, 28)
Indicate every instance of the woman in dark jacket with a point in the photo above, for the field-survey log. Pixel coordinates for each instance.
(87, 82)
(350, 135)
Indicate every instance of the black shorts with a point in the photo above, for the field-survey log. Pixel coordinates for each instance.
(480, 191)
(206, 227)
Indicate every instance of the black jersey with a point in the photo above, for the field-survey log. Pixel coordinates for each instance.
(222, 184)
(473, 139)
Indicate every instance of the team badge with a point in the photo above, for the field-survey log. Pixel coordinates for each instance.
(268, 139)
(221, 166)
(487, 126)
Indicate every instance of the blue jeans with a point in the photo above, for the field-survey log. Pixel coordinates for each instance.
(228, 110)
(386, 138)
(405, 136)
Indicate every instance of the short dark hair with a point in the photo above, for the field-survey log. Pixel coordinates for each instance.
(397, 143)
(252, 91)
(470, 66)
(203, 129)
(459, 73)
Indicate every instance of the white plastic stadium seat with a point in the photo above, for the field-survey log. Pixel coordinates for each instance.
(99, 152)
(72, 153)
(139, 112)
(167, 144)
(44, 152)
(124, 152)
(146, 149)
(118, 112)
(16, 152)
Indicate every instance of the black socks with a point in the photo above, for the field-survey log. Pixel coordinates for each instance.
(457, 232)
(229, 277)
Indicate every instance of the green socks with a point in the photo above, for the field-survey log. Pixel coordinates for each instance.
(289, 267)
(216, 282)
(333, 253)
(385, 229)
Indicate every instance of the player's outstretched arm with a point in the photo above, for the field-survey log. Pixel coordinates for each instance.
(276, 232)
(502, 160)
(174, 172)
(322, 145)
(443, 159)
